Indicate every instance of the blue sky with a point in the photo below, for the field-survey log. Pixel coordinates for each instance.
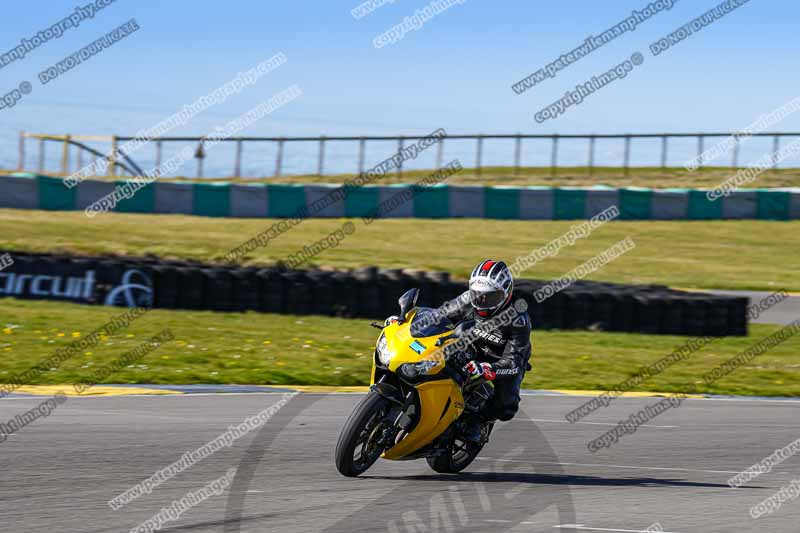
(455, 72)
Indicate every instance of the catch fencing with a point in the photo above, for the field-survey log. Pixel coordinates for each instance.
(75, 153)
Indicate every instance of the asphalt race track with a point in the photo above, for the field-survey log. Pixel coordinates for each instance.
(782, 313)
(535, 475)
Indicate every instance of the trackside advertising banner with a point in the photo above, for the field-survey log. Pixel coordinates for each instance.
(92, 282)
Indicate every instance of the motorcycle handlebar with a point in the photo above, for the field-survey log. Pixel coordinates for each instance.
(458, 359)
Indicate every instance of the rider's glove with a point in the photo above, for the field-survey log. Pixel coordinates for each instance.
(480, 370)
(390, 320)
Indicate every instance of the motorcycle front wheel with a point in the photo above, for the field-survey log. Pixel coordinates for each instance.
(358, 448)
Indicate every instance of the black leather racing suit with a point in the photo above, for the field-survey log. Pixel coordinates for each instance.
(505, 344)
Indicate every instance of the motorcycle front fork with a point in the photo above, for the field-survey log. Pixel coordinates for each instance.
(403, 418)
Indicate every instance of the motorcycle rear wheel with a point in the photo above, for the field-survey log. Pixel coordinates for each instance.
(459, 455)
(356, 450)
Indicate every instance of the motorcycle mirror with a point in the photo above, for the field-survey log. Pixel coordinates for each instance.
(407, 301)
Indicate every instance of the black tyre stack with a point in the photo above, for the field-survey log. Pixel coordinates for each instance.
(372, 293)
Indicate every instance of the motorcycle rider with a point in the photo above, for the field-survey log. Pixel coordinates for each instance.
(501, 348)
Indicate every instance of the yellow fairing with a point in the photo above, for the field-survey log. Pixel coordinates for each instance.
(434, 396)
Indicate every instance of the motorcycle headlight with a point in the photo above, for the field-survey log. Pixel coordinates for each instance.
(384, 355)
(413, 370)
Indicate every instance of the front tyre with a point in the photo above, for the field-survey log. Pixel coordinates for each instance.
(359, 442)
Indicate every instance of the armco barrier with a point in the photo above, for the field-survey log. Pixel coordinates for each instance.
(259, 200)
(369, 293)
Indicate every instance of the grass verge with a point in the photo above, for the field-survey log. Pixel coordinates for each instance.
(257, 348)
(749, 254)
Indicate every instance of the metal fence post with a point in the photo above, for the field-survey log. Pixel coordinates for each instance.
(479, 155)
(361, 150)
(400, 153)
(517, 152)
(113, 159)
(591, 155)
(41, 155)
(237, 166)
(663, 153)
(439, 153)
(776, 146)
(21, 150)
(735, 162)
(200, 154)
(321, 156)
(700, 151)
(159, 154)
(554, 156)
(279, 158)
(65, 155)
(627, 155)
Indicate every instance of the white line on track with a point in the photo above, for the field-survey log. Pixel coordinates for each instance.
(749, 400)
(133, 414)
(630, 467)
(725, 399)
(581, 527)
(597, 423)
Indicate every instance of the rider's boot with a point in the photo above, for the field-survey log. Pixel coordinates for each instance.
(472, 428)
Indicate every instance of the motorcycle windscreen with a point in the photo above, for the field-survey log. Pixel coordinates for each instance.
(428, 322)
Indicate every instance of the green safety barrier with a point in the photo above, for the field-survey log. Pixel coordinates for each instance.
(501, 203)
(774, 205)
(284, 201)
(144, 201)
(211, 200)
(30, 191)
(635, 204)
(569, 204)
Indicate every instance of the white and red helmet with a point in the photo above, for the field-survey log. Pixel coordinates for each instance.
(491, 285)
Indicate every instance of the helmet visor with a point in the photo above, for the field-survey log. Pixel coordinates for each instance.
(486, 299)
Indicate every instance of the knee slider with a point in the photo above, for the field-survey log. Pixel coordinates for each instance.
(507, 412)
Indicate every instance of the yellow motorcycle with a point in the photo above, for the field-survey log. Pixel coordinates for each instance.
(417, 396)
